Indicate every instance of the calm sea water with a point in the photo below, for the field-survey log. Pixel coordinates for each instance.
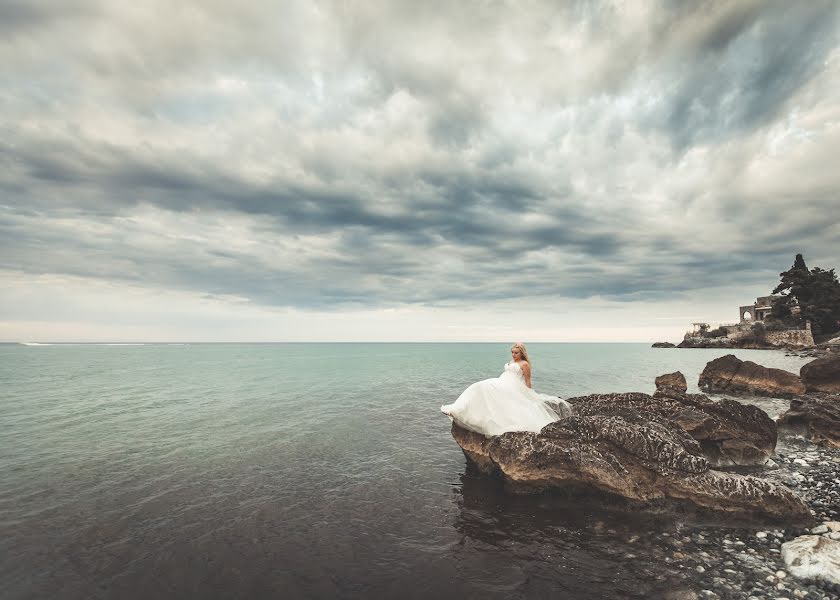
(293, 471)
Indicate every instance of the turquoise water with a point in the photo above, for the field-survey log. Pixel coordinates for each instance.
(295, 470)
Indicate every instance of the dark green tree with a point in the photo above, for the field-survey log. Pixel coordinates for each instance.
(823, 307)
(815, 291)
(794, 289)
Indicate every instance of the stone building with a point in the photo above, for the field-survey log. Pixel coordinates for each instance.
(770, 335)
(760, 309)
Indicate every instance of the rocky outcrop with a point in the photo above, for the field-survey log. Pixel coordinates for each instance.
(642, 458)
(729, 433)
(663, 345)
(701, 342)
(816, 416)
(674, 381)
(822, 375)
(730, 375)
(813, 557)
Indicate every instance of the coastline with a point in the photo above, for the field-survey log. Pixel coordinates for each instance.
(815, 351)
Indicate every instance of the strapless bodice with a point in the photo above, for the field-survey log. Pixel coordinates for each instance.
(513, 370)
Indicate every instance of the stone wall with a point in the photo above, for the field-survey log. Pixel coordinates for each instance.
(794, 337)
(735, 333)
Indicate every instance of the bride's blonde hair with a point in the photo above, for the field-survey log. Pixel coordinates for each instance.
(522, 349)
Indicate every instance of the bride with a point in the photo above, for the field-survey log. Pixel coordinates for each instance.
(507, 403)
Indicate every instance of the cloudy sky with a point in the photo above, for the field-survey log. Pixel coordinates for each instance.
(277, 171)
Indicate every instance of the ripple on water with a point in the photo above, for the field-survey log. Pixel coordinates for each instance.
(313, 470)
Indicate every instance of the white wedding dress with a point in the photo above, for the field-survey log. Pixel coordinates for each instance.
(505, 403)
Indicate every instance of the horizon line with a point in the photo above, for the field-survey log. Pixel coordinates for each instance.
(139, 343)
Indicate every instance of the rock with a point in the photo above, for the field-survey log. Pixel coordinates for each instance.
(813, 557)
(675, 381)
(637, 459)
(822, 375)
(663, 345)
(701, 342)
(835, 341)
(815, 415)
(729, 433)
(729, 374)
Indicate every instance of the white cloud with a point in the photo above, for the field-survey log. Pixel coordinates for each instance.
(338, 160)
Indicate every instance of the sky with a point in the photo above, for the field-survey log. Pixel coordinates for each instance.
(410, 171)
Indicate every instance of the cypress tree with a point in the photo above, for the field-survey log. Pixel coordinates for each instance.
(816, 291)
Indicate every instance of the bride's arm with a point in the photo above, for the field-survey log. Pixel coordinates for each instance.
(526, 371)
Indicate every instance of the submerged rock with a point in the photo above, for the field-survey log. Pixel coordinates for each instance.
(731, 375)
(822, 375)
(728, 432)
(816, 416)
(637, 456)
(813, 557)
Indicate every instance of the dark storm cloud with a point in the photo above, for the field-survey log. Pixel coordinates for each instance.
(743, 70)
(325, 155)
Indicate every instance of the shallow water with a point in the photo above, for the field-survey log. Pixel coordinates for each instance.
(296, 470)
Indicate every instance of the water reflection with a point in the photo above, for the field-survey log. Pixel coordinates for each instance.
(567, 546)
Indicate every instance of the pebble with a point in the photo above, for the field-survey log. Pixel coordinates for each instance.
(733, 562)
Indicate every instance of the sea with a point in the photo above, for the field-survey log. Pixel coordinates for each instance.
(298, 470)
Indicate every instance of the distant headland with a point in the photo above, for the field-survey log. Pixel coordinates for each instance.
(802, 314)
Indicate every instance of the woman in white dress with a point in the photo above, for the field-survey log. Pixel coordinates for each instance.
(506, 403)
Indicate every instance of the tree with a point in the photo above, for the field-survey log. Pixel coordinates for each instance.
(815, 291)
(794, 283)
(823, 308)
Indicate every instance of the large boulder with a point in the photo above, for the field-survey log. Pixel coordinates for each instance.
(822, 375)
(663, 345)
(816, 416)
(675, 381)
(729, 433)
(731, 375)
(813, 557)
(642, 459)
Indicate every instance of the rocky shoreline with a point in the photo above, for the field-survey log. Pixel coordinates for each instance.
(768, 526)
(815, 351)
(713, 561)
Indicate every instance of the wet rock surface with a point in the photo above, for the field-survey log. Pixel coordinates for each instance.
(635, 457)
(731, 375)
(679, 556)
(816, 416)
(729, 432)
(673, 381)
(822, 374)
